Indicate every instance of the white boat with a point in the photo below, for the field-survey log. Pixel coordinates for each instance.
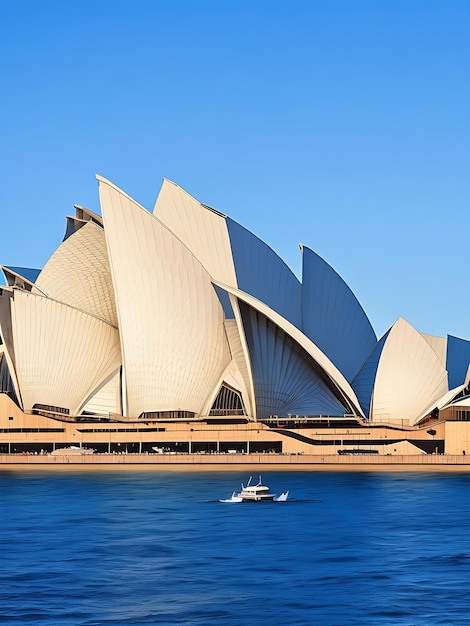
(255, 493)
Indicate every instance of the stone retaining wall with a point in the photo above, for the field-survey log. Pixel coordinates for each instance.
(188, 462)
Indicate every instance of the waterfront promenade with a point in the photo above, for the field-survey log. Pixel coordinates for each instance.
(237, 462)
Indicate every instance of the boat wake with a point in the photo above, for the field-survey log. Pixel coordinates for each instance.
(234, 498)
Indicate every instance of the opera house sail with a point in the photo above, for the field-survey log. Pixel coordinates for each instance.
(178, 329)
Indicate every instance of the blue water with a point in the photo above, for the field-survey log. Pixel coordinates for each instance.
(159, 548)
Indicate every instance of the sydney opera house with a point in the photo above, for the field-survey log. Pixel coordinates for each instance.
(179, 330)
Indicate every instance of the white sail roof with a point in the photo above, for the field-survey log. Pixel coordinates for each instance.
(201, 229)
(107, 399)
(78, 274)
(170, 318)
(62, 354)
(439, 345)
(339, 381)
(237, 373)
(410, 376)
(443, 401)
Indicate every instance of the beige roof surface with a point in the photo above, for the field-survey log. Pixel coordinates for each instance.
(170, 318)
(345, 390)
(107, 398)
(237, 372)
(201, 229)
(443, 401)
(62, 354)
(410, 376)
(439, 345)
(78, 274)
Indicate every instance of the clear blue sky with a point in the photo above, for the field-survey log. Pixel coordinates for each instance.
(340, 124)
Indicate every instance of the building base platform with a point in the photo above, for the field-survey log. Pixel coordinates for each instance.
(237, 462)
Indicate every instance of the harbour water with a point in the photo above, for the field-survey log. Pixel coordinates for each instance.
(93, 549)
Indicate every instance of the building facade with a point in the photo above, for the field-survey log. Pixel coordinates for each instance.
(181, 315)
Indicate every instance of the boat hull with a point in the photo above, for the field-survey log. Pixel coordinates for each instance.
(258, 498)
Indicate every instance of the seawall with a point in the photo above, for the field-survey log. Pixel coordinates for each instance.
(237, 462)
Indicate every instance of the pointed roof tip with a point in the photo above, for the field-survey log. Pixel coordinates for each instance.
(205, 206)
(303, 248)
(403, 320)
(106, 181)
(172, 182)
(400, 320)
(118, 190)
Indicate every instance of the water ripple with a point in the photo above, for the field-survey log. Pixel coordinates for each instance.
(138, 549)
